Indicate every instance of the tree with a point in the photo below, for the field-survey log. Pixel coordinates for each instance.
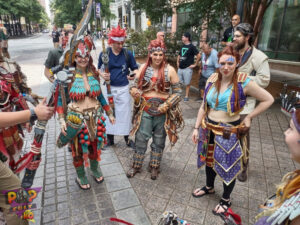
(155, 9)
(70, 11)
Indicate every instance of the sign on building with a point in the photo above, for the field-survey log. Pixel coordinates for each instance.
(98, 10)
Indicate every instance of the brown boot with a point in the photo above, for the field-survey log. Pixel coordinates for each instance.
(154, 173)
(242, 177)
(132, 172)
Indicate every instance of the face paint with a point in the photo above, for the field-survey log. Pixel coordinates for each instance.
(230, 59)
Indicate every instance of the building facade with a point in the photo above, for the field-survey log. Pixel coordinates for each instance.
(126, 16)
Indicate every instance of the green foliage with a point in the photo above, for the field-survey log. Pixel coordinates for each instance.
(140, 41)
(155, 9)
(30, 9)
(205, 15)
(70, 11)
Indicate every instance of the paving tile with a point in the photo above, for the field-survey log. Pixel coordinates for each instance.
(116, 183)
(156, 203)
(124, 199)
(135, 215)
(111, 169)
(194, 215)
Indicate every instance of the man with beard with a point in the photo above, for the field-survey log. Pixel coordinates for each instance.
(255, 63)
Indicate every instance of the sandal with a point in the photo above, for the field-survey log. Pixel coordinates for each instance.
(224, 204)
(207, 191)
(80, 184)
(98, 181)
(132, 172)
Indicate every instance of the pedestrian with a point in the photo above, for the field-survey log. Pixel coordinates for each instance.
(255, 63)
(4, 42)
(229, 32)
(283, 207)
(120, 61)
(82, 124)
(185, 62)
(55, 37)
(157, 112)
(160, 35)
(8, 180)
(209, 65)
(53, 60)
(219, 129)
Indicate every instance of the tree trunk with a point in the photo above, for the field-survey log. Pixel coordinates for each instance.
(259, 18)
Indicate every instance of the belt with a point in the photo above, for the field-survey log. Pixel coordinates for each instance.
(239, 130)
(152, 104)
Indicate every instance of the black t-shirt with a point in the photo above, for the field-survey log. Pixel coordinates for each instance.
(228, 35)
(187, 54)
(55, 36)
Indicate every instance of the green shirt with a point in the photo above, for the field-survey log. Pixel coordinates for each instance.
(2, 35)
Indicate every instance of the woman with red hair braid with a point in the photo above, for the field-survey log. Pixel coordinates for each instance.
(218, 129)
(156, 93)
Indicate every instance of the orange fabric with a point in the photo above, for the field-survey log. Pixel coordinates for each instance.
(210, 155)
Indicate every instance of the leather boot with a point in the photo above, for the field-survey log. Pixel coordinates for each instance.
(154, 173)
(28, 178)
(242, 177)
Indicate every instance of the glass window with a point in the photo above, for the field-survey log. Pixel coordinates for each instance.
(280, 33)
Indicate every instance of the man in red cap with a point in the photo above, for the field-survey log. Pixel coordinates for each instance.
(120, 61)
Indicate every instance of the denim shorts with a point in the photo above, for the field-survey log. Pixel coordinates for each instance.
(185, 75)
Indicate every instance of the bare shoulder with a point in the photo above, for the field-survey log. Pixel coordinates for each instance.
(171, 69)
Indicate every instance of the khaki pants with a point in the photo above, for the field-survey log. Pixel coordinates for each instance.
(56, 44)
(9, 181)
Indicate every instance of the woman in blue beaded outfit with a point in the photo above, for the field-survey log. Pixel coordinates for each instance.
(82, 121)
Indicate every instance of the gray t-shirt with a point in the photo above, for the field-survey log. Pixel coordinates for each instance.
(210, 63)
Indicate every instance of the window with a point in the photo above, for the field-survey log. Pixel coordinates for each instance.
(280, 34)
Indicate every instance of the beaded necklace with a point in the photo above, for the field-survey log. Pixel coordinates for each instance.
(78, 91)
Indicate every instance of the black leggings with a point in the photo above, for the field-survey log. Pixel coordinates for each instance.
(211, 174)
(210, 181)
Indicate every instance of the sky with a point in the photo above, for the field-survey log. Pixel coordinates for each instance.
(48, 7)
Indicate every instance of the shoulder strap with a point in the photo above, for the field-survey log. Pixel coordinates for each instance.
(126, 56)
(242, 77)
(213, 78)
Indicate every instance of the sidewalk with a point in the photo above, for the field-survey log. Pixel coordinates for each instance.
(142, 201)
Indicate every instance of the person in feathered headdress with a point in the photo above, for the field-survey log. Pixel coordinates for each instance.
(120, 61)
(82, 124)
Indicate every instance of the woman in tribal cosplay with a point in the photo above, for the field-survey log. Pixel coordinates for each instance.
(156, 93)
(284, 207)
(82, 121)
(218, 129)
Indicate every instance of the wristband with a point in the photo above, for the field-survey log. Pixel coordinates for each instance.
(197, 128)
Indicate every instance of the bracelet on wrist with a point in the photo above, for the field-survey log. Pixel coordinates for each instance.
(196, 128)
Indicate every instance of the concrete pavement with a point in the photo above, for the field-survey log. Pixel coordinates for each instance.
(140, 200)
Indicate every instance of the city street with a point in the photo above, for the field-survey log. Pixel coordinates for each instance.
(140, 200)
